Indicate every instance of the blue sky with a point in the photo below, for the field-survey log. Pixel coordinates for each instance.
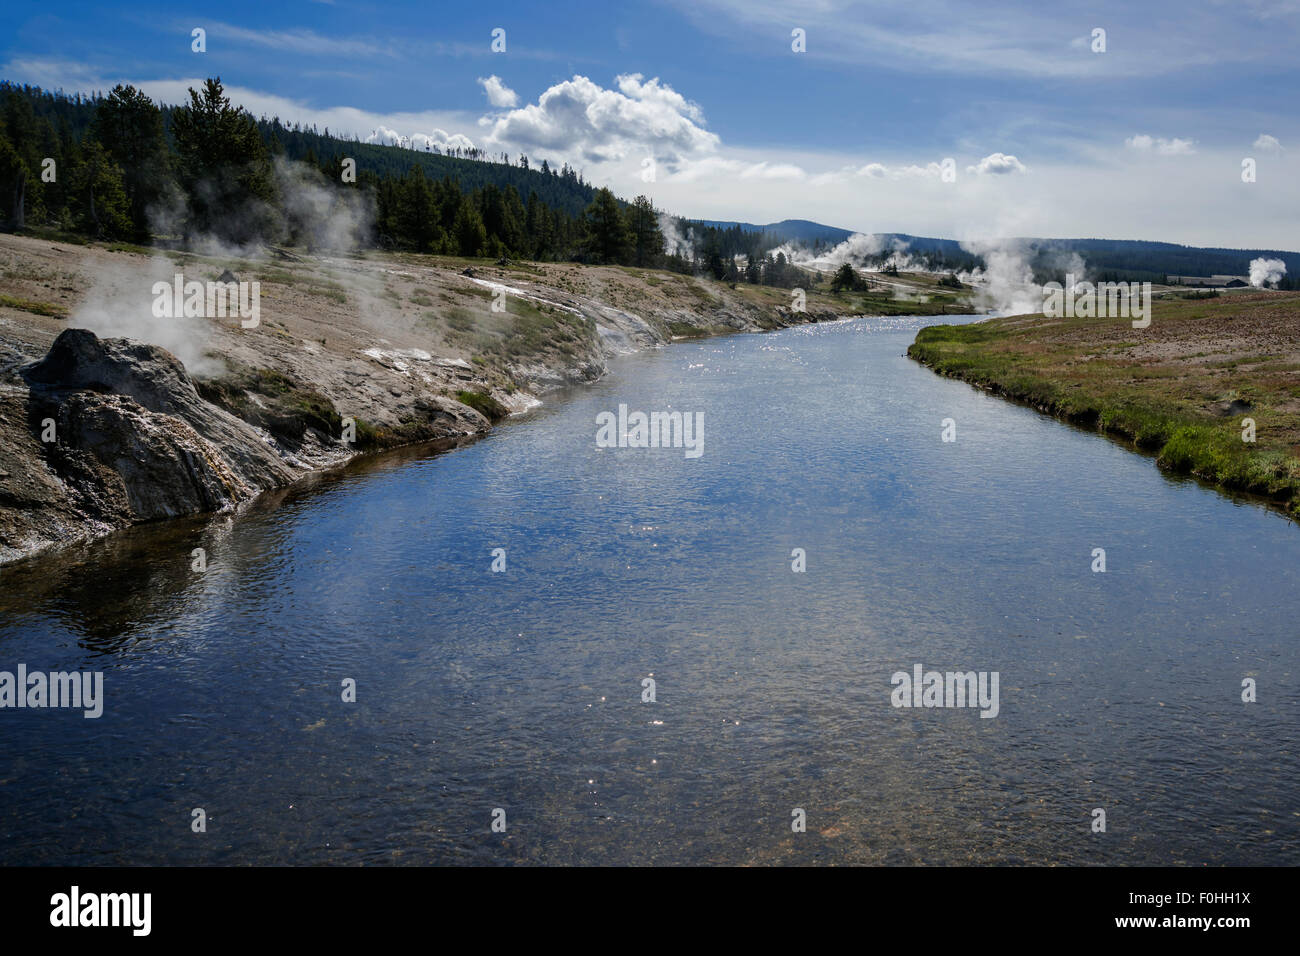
(1046, 136)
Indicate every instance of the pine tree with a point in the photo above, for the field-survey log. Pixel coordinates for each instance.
(417, 219)
(647, 240)
(97, 195)
(13, 183)
(224, 168)
(845, 278)
(608, 239)
(468, 233)
(130, 127)
(513, 234)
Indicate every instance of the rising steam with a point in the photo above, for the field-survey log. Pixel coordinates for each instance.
(1266, 272)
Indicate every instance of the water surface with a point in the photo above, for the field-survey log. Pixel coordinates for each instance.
(522, 690)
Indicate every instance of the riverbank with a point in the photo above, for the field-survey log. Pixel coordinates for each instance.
(349, 355)
(1187, 388)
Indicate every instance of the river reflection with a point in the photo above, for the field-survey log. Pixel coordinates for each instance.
(523, 690)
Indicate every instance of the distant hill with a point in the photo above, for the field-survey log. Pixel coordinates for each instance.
(562, 189)
(1131, 259)
(787, 230)
(1154, 259)
(565, 191)
(1105, 259)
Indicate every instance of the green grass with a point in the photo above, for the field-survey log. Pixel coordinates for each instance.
(461, 319)
(685, 330)
(129, 247)
(484, 404)
(36, 308)
(1162, 405)
(287, 409)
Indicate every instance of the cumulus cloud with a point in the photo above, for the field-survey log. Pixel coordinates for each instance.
(997, 164)
(498, 94)
(579, 119)
(438, 139)
(1268, 144)
(1164, 147)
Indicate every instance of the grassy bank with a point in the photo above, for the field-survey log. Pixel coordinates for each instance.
(1181, 388)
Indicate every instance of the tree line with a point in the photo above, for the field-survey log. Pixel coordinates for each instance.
(119, 166)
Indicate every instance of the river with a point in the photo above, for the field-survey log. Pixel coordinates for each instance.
(521, 690)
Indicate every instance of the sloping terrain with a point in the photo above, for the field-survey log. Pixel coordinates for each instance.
(156, 416)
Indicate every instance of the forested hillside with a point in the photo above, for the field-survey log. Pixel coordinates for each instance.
(121, 167)
(118, 166)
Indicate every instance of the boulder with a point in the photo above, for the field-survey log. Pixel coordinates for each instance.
(133, 434)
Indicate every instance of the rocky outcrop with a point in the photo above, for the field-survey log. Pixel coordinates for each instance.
(112, 433)
(97, 434)
(109, 433)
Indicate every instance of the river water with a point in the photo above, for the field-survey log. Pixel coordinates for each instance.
(522, 690)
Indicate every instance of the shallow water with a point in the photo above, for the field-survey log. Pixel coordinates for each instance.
(522, 690)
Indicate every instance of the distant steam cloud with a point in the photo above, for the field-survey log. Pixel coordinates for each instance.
(1267, 143)
(676, 242)
(1266, 272)
(854, 250)
(1006, 284)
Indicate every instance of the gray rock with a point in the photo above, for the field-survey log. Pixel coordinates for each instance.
(134, 442)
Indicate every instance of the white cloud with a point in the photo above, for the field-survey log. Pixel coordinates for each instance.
(1007, 37)
(773, 171)
(441, 139)
(498, 94)
(386, 137)
(878, 170)
(579, 120)
(1268, 144)
(438, 139)
(297, 41)
(1081, 189)
(1165, 147)
(53, 74)
(997, 164)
